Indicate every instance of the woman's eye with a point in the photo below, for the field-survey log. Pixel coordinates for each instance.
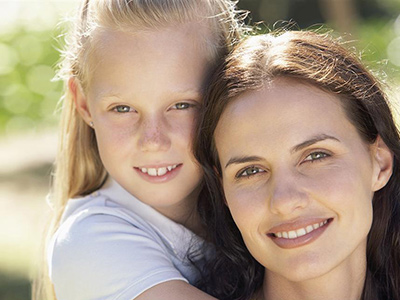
(122, 109)
(250, 171)
(316, 156)
(182, 105)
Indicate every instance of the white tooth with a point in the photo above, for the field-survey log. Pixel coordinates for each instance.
(152, 171)
(301, 232)
(279, 234)
(292, 234)
(169, 168)
(326, 221)
(144, 170)
(309, 228)
(316, 226)
(161, 171)
(321, 224)
(285, 234)
(174, 166)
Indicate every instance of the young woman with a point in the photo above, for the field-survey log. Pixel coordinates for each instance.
(126, 185)
(298, 141)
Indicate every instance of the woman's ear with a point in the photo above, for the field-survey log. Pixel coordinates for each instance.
(383, 164)
(80, 100)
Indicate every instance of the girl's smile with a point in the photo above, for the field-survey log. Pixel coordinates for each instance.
(159, 174)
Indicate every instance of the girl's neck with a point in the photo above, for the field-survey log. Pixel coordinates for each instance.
(346, 281)
(186, 213)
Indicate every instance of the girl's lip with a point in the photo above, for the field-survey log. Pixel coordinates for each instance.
(166, 176)
(298, 235)
(156, 166)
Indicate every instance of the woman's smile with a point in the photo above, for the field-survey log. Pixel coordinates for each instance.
(292, 235)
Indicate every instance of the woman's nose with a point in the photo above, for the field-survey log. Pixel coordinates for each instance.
(287, 194)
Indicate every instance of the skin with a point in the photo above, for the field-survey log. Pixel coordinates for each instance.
(303, 163)
(143, 98)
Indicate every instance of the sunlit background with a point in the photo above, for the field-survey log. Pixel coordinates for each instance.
(30, 34)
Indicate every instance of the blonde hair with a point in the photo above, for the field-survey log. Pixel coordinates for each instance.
(78, 168)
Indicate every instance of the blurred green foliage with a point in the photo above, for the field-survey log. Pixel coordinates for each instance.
(14, 287)
(375, 39)
(28, 96)
(28, 59)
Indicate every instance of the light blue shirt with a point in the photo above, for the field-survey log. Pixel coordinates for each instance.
(112, 246)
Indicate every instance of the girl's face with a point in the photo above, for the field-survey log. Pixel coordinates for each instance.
(143, 98)
(298, 180)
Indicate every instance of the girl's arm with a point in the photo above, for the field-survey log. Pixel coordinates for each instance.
(174, 290)
(98, 254)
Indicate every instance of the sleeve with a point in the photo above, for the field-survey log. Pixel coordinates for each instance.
(105, 257)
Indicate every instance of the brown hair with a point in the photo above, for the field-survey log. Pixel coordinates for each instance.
(320, 61)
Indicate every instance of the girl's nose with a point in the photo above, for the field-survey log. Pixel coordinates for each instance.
(287, 194)
(154, 136)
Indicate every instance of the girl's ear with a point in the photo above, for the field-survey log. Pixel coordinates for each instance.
(383, 164)
(80, 100)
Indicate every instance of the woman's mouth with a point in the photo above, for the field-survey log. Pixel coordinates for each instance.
(300, 236)
(293, 234)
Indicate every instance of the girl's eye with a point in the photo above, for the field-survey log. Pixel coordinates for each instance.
(316, 156)
(250, 171)
(122, 109)
(182, 105)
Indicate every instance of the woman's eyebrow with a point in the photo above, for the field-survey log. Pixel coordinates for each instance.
(242, 159)
(247, 159)
(312, 141)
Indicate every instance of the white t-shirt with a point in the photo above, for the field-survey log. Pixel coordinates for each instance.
(112, 246)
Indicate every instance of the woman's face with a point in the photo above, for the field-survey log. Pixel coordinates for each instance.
(298, 180)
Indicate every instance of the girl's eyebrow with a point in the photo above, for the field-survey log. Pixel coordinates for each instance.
(312, 141)
(242, 159)
(106, 96)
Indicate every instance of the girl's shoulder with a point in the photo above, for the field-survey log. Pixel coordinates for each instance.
(103, 241)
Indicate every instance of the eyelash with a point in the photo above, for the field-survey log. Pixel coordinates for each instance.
(176, 106)
(318, 159)
(258, 170)
(187, 105)
(240, 174)
(115, 109)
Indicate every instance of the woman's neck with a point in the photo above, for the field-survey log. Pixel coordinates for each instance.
(346, 281)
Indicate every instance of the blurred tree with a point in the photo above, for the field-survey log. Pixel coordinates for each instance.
(341, 14)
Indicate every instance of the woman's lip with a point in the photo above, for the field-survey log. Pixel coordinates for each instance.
(165, 177)
(308, 237)
(296, 224)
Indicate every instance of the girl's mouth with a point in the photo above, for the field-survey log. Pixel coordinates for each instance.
(159, 174)
(157, 171)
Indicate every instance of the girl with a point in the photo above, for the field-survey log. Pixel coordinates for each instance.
(126, 183)
(300, 137)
